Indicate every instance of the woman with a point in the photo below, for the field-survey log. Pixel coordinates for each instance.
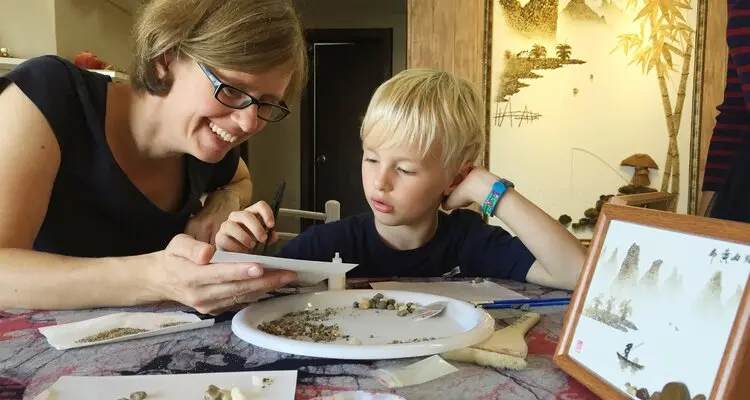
(100, 182)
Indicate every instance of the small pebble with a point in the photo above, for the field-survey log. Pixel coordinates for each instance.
(676, 391)
(391, 307)
(391, 301)
(356, 304)
(373, 303)
(642, 394)
(381, 305)
(378, 296)
(402, 313)
(139, 395)
(364, 304)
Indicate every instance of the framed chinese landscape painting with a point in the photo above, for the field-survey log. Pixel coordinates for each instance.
(591, 98)
(661, 306)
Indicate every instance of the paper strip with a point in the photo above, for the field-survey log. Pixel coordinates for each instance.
(414, 374)
(309, 272)
(66, 336)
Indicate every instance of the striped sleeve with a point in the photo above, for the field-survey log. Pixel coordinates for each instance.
(733, 122)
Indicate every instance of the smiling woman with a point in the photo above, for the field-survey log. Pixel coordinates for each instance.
(128, 163)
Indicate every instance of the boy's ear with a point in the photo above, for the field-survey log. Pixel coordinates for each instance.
(463, 172)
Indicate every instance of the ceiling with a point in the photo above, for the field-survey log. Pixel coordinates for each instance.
(130, 6)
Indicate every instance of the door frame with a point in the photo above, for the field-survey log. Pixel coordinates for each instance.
(307, 115)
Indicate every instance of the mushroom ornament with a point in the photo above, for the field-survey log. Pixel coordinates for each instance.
(641, 163)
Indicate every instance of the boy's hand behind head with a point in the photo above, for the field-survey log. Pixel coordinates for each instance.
(472, 185)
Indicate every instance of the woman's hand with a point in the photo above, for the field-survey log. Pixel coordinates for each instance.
(244, 229)
(182, 273)
(217, 208)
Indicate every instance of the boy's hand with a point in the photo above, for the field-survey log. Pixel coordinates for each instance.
(246, 228)
(474, 188)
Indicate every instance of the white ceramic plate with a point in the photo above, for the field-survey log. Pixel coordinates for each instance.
(460, 325)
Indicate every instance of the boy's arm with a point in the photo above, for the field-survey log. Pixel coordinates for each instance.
(559, 255)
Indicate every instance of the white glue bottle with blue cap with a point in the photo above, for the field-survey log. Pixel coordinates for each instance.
(337, 282)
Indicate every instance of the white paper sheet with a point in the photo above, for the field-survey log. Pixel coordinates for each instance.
(282, 386)
(464, 290)
(66, 336)
(414, 374)
(309, 272)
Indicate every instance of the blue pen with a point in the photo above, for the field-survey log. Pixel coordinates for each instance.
(524, 301)
(529, 304)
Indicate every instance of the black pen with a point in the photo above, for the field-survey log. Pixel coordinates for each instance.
(275, 205)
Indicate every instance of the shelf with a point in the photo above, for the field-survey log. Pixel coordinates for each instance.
(8, 63)
(116, 76)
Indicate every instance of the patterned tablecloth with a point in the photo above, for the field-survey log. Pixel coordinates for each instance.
(28, 364)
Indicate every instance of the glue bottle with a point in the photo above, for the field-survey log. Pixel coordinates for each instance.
(337, 282)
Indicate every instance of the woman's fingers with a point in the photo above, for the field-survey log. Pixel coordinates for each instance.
(206, 275)
(245, 291)
(193, 250)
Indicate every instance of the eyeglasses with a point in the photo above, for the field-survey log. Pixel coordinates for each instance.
(235, 98)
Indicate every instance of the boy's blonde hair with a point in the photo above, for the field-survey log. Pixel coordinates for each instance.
(251, 36)
(425, 107)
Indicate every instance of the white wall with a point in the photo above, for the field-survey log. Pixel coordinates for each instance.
(97, 26)
(30, 28)
(27, 27)
(274, 154)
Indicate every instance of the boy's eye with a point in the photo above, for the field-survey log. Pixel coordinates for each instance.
(406, 172)
(370, 160)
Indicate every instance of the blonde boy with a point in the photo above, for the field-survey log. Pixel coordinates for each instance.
(421, 134)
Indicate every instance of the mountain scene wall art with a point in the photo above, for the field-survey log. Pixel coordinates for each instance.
(654, 299)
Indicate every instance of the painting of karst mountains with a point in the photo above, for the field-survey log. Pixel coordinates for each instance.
(653, 295)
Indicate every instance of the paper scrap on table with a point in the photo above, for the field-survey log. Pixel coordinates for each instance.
(360, 395)
(414, 374)
(463, 290)
(252, 385)
(309, 272)
(73, 335)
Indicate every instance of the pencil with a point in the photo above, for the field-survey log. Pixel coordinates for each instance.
(275, 205)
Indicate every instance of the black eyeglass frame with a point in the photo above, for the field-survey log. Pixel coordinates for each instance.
(219, 85)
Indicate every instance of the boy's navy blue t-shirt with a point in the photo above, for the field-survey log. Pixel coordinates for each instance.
(94, 209)
(462, 239)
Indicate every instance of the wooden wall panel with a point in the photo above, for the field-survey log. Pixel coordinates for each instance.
(446, 34)
(714, 75)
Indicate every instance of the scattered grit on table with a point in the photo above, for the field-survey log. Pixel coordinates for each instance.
(120, 332)
(308, 324)
(110, 334)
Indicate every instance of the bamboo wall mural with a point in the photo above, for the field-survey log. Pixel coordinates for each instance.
(578, 86)
(663, 39)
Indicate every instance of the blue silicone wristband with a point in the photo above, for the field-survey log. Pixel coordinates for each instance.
(490, 203)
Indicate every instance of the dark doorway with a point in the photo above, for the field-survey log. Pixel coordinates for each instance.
(346, 67)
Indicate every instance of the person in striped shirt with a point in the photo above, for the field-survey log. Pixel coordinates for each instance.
(726, 184)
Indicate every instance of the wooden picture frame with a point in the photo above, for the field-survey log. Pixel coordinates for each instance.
(661, 312)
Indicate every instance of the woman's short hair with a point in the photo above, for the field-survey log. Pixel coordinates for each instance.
(251, 36)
